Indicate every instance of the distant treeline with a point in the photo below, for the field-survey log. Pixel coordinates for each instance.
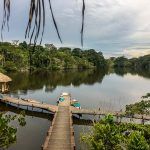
(25, 57)
(22, 57)
(142, 62)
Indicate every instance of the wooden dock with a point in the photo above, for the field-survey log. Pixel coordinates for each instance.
(54, 108)
(98, 112)
(61, 134)
(29, 102)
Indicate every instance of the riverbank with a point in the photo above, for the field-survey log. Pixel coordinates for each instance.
(27, 57)
(24, 57)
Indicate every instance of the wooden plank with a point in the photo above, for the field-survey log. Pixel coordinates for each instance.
(34, 103)
(61, 135)
(97, 112)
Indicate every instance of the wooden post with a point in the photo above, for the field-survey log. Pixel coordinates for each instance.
(2, 87)
(99, 113)
(18, 105)
(5, 87)
(143, 120)
(42, 147)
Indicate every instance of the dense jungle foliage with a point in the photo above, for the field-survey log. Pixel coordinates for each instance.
(142, 62)
(7, 130)
(24, 57)
(107, 135)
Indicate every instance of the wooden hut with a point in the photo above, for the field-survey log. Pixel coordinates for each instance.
(4, 87)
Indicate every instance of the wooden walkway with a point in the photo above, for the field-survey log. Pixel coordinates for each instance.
(54, 109)
(61, 134)
(29, 102)
(98, 112)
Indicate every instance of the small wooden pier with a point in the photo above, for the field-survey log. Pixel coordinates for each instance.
(29, 102)
(117, 113)
(60, 135)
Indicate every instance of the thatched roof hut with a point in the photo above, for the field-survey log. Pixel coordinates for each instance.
(3, 80)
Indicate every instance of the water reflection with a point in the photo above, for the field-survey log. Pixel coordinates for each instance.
(32, 81)
(124, 71)
(108, 89)
(49, 80)
(112, 88)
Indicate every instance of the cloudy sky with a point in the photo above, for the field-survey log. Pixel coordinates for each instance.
(116, 27)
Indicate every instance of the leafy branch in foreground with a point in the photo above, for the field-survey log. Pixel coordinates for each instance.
(7, 131)
(107, 135)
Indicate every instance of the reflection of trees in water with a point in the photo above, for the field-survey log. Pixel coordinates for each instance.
(50, 80)
(140, 72)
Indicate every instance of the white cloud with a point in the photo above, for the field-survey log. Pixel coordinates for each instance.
(136, 52)
(130, 52)
(110, 25)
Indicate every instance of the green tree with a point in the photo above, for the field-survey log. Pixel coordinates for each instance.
(77, 52)
(7, 131)
(23, 45)
(137, 142)
(108, 135)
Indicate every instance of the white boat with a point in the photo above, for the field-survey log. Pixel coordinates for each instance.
(64, 94)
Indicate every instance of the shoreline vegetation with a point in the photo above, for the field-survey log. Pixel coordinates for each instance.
(24, 57)
(106, 134)
(8, 130)
(142, 107)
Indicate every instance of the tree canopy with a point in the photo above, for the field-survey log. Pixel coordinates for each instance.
(142, 62)
(8, 131)
(24, 57)
(107, 135)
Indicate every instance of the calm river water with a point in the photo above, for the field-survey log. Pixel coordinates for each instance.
(93, 88)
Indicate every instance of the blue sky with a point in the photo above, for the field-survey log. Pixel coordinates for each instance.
(115, 27)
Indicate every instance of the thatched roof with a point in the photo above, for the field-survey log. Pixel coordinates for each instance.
(4, 78)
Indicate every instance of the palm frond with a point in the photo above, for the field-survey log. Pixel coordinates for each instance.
(6, 16)
(83, 14)
(36, 20)
(54, 21)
